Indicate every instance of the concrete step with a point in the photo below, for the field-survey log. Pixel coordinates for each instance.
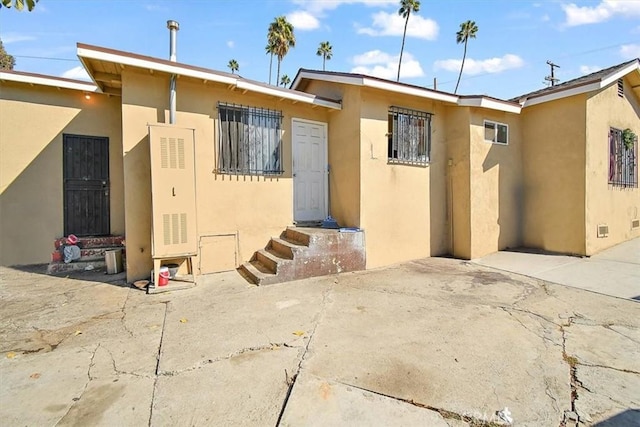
(306, 252)
(89, 254)
(256, 273)
(88, 242)
(61, 267)
(284, 248)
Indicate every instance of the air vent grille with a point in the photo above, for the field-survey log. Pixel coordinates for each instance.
(603, 230)
(635, 223)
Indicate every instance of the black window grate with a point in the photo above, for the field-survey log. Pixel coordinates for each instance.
(409, 136)
(249, 140)
(623, 161)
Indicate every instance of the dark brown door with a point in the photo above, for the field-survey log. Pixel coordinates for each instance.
(86, 185)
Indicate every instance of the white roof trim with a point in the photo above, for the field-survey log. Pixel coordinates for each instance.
(238, 82)
(489, 103)
(561, 94)
(377, 84)
(152, 65)
(282, 93)
(49, 81)
(590, 87)
(606, 81)
(423, 93)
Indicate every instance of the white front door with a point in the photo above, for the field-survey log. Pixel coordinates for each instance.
(309, 140)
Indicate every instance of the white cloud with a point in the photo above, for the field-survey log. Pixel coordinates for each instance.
(588, 69)
(606, 9)
(381, 64)
(78, 73)
(231, 44)
(319, 6)
(16, 37)
(392, 24)
(630, 51)
(474, 66)
(303, 20)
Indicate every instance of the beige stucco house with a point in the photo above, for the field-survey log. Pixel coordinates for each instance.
(422, 172)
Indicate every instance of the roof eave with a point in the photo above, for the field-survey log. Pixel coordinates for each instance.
(49, 81)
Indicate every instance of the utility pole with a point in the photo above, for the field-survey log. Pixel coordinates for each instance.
(552, 78)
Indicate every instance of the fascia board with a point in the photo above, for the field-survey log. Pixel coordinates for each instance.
(36, 80)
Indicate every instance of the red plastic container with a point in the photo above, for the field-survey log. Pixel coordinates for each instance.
(163, 280)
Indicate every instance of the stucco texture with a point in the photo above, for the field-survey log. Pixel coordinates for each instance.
(34, 119)
(605, 203)
(233, 211)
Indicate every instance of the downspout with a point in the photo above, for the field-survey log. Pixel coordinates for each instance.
(173, 27)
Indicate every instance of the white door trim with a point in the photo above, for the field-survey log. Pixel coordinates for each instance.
(325, 127)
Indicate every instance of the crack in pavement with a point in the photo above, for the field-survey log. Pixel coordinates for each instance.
(270, 346)
(291, 381)
(544, 338)
(124, 314)
(155, 382)
(446, 414)
(84, 389)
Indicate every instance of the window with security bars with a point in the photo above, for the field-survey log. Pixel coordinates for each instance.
(623, 160)
(409, 136)
(249, 140)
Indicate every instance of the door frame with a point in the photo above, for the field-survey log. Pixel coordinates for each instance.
(325, 128)
(106, 185)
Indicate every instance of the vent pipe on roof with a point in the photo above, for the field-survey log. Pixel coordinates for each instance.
(173, 27)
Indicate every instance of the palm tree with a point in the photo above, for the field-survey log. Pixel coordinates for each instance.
(468, 30)
(20, 4)
(324, 50)
(285, 80)
(281, 37)
(270, 50)
(406, 7)
(233, 66)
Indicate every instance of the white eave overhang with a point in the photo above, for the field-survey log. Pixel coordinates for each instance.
(491, 104)
(585, 88)
(234, 82)
(49, 81)
(355, 80)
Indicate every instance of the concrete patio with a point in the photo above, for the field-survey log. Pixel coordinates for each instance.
(436, 342)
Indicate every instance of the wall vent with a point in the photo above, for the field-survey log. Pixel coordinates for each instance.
(635, 223)
(621, 88)
(174, 228)
(603, 230)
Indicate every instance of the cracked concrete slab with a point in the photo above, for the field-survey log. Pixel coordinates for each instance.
(437, 334)
(38, 389)
(202, 328)
(469, 359)
(598, 345)
(246, 390)
(318, 402)
(605, 393)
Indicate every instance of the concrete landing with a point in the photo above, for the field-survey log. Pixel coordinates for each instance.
(419, 343)
(614, 271)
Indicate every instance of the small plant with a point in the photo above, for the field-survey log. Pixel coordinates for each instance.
(628, 138)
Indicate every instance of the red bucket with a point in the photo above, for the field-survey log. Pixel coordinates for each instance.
(163, 280)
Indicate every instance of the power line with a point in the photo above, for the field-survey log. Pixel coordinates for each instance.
(44, 57)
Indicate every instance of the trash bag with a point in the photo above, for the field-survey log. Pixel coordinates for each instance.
(71, 253)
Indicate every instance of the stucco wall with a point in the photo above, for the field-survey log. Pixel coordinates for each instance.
(607, 204)
(458, 131)
(344, 151)
(403, 207)
(239, 213)
(33, 121)
(497, 198)
(553, 155)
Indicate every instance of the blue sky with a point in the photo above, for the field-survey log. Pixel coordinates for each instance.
(508, 57)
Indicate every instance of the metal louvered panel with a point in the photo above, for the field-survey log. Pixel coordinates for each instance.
(173, 191)
(164, 153)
